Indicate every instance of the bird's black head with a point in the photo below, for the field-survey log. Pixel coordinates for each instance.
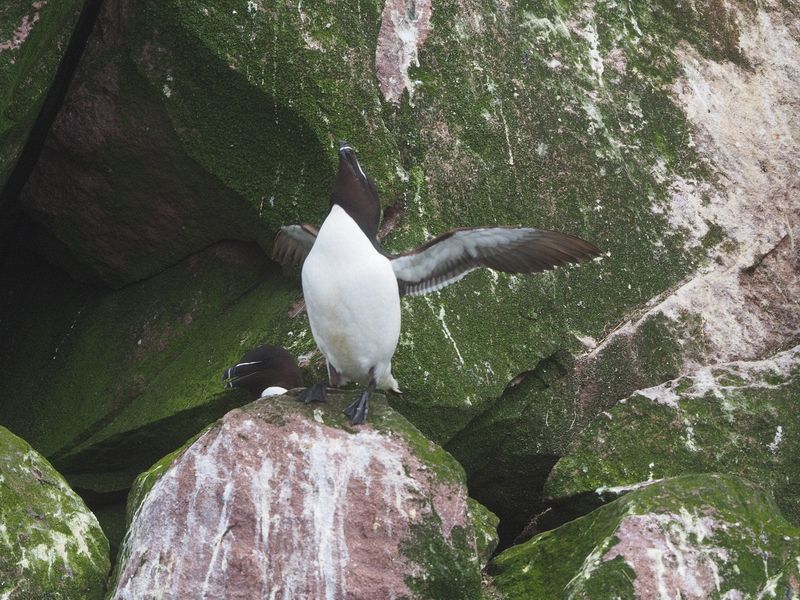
(355, 192)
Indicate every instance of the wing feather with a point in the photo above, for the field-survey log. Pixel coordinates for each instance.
(293, 243)
(449, 257)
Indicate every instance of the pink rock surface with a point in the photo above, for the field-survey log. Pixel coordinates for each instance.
(404, 27)
(255, 509)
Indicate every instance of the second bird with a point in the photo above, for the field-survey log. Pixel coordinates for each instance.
(352, 288)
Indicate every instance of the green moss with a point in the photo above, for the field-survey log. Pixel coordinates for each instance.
(131, 374)
(484, 522)
(714, 237)
(546, 146)
(27, 72)
(744, 537)
(50, 544)
(242, 67)
(449, 568)
(147, 479)
(743, 427)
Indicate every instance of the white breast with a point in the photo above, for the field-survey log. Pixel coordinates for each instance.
(352, 299)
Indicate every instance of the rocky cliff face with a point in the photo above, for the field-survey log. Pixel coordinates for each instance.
(664, 132)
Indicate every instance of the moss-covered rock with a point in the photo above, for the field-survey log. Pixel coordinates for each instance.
(587, 117)
(698, 536)
(485, 524)
(738, 418)
(33, 38)
(113, 380)
(373, 510)
(522, 124)
(51, 545)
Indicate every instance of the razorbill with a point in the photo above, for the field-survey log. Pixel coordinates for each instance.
(352, 288)
(265, 371)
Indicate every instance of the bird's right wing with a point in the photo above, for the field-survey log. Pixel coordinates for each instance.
(293, 243)
(447, 258)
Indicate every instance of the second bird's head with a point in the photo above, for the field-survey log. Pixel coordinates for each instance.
(355, 191)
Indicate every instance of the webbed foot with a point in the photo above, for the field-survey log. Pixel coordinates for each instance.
(315, 393)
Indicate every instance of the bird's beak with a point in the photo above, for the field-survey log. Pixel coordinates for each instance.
(348, 155)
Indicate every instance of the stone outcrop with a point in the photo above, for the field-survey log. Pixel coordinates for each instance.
(51, 545)
(735, 85)
(279, 499)
(738, 417)
(692, 537)
(34, 37)
(663, 132)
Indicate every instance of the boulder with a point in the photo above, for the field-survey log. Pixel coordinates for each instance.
(51, 545)
(739, 418)
(692, 537)
(728, 88)
(114, 380)
(34, 37)
(284, 498)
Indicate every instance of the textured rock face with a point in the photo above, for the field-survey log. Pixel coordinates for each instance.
(695, 537)
(738, 417)
(33, 37)
(279, 500)
(51, 545)
(663, 132)
(736, 87)
(128, 375)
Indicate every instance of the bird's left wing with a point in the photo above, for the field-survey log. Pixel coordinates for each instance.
(447, 258)
(293, 243)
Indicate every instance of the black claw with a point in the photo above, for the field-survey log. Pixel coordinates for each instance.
(315, 393)
(358, 410)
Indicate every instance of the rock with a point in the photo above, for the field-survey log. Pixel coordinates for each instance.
(243, 148)
(693, 537)
(485, 523)
(50, 544)
(663, 134)
(114, 380)
(525, 124)
(33, 39)
(734, 300)
(739, 418)
(279, 497)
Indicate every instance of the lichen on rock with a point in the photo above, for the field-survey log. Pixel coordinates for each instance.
(699, 536)
(278, 495)
(51, 545)
(737, 417)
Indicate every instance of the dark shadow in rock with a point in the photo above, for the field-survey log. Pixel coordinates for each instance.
(509, 450)
(129, 453)
(134, 178)
(47, 113)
